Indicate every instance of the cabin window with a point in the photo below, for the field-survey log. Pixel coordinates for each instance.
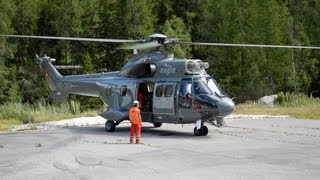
(123, 90)
(168, 91)
(159, 91)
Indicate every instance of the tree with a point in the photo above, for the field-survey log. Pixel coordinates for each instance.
(6, 15)
(87, 64)
(136, 18)
(175, 28)
(25, 22)
(163, 10)
(248, 73)
(306, 15)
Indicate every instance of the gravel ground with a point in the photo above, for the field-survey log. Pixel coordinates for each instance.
(250, 147)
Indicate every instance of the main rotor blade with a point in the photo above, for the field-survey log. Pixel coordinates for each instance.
(143, 45)
(72, 38)
(249, 45)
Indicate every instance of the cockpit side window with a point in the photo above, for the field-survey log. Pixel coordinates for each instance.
(185, 97)
(185, 89)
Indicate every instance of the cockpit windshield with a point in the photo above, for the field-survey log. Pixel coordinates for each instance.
(212, 84)
(200, 87)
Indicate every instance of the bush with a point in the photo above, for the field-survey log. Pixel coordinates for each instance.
(74, 107)
(19, 111)
(25, 117)
(26, 113)
(295, 99)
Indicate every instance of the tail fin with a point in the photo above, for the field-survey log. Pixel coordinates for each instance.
(49, 71)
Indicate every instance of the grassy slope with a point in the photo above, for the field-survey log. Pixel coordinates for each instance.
(309, 111)
(16, 113)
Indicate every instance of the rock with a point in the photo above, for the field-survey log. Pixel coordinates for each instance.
(267, 100)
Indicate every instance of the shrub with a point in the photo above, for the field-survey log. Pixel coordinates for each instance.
(295, 99)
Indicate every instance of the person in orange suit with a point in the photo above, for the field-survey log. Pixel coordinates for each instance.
(136, 122)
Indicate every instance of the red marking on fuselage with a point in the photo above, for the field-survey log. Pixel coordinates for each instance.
(46, 75)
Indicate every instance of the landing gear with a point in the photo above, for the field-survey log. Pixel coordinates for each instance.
(157, 124)
(110, 126)
(200, 129)
(203, 131)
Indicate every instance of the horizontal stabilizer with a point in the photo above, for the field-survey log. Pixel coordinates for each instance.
(68, 67)
(59, 96)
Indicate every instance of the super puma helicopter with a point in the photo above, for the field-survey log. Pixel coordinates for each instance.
(170, 90)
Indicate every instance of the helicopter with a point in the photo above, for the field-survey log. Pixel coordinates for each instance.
(170, 90)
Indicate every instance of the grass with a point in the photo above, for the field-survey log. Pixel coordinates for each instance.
(294, 105)
(302, 112)
(12, 114)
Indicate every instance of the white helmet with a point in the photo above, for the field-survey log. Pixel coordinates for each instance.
(136, 102)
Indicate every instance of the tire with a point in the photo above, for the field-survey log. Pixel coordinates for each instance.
(157, 124)
(197, 132)
(204, 130)
(110, 126)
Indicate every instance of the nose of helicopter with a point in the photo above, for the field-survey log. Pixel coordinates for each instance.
(226, 107)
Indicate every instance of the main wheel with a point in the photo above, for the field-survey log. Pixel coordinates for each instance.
(204, 130)
(110, 126)
(197, 132)
(157, 124)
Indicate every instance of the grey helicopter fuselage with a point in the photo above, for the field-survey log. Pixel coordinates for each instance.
(169, 90)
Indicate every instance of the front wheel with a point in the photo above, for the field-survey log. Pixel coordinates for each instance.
(110, 126)
(204, 130)
(197, 132)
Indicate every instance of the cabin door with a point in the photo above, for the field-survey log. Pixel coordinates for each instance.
(163, 98)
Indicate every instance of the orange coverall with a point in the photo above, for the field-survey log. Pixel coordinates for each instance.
(135, 119)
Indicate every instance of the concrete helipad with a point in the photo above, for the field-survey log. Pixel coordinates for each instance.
(248, 148)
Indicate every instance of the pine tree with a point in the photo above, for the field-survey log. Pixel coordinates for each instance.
(306, 18)
(163, 9)
(87, 64)
(175, 28)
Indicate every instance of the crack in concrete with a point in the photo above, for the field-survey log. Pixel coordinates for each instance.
(88, 161)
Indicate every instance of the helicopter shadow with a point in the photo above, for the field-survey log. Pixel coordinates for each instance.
(147, 131)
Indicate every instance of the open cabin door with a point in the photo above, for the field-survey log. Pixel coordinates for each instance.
(163, 97)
